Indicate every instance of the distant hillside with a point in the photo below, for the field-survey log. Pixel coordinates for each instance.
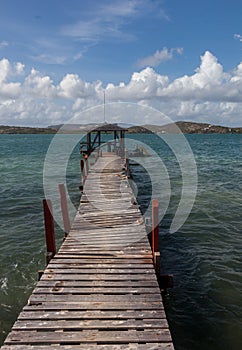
(141, 129)
(5, 129)
(74, 128)
(186, 128)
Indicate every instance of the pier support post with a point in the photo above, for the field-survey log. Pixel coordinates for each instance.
(49, 230)
(155, 235)
(82, 164)
(87, 164)
(64, 209)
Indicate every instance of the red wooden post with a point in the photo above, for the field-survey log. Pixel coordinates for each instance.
(87, 165)
(64, 209)
(49, 229)
(82, 163)
(155, 226)
(155, 235)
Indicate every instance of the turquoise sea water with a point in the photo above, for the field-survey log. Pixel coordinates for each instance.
(204, 308)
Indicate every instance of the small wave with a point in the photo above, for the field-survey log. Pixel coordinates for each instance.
(4, 285)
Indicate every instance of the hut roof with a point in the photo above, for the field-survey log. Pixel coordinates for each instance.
(109, 127)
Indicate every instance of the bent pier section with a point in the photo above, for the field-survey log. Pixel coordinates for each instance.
(100, 291)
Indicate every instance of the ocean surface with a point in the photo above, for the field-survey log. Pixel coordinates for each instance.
(204, 308)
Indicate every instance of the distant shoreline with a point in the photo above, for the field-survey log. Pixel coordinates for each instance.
(174, 128)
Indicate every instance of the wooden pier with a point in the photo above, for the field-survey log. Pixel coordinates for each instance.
(100, 290)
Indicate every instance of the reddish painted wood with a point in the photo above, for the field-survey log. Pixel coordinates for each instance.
(49, 227)
(82, 164)
(155, 226)
(64, 208)
(83, 170)
(87, 164)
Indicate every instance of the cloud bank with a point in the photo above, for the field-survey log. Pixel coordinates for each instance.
(209, 95)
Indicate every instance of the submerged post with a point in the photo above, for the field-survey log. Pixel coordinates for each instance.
(64, 209)
(155, 234)
(49, 230)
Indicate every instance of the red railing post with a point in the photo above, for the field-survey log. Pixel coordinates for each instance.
(82, 163)
(155, 226)
(49, 229)
(87, 164)
(64, 209)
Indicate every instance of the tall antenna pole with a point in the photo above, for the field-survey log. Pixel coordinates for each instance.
(104, 109)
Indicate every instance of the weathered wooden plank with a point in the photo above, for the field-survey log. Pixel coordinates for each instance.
(132, 346)
(127, 239)
(50, 325)
(110, 270)
(105, 277)
(104, 254)
(96, 290)
(81, 265)
(103, 249)
(115, 245)
(29, 314)
(104, 261)
(55, 283)
(114, 232)
(69, 298)
(142, 305)
(105, 257)
(89, 336)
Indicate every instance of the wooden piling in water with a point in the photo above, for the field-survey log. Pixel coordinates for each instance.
(49, 230)
(87, 164)
(83, 172)
(155, 235)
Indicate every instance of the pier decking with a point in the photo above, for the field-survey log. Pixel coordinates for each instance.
(100, 290)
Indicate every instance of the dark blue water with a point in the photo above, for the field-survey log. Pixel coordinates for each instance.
(205, 306)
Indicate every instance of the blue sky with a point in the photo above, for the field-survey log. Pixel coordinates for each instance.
(181, 57)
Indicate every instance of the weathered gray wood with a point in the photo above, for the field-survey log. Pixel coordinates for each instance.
(110, 270)
(95, 306)
(89, 324)
(98, 265)
(96, 290)
(60, 259)
(89, 336)
(98, 283)
(69, 298)
(28, 314)
(131, 346)
(105, 277)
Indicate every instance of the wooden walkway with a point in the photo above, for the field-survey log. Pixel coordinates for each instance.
(100, 290)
